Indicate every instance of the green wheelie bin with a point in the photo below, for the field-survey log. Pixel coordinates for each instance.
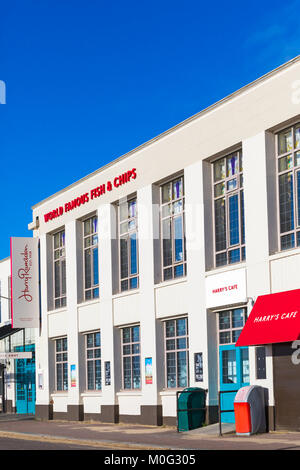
(190, 408)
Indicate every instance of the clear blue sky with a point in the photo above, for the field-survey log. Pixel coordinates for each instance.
(89, 81)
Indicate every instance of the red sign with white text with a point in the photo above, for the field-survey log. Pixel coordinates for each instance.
(275, 318)
(94, 193)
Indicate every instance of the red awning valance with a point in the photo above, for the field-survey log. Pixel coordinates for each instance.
(275, 318)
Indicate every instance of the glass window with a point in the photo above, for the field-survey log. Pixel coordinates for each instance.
(173, 229)
(231, 323)
(91, 260)
(176, 353)
(131, 359)
(289, 187)
(59, 264)
(129, 271)
(93, 361)
(229, 210)
(61, 364)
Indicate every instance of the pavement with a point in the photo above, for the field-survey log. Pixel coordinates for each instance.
(144, 438)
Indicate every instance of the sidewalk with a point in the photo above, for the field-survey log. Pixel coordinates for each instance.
(130, 437)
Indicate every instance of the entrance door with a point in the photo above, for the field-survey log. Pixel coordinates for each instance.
(234, 374)
(233, 362)
(25, 382)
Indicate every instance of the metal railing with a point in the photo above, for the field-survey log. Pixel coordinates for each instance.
(223, 411)
(188, 409)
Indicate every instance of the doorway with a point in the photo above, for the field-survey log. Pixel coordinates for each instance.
(25, 382)
(233, 361)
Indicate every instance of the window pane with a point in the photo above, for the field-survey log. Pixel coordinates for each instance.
(171, 370)
(234, 219)
(287, 241)
(133, 254)
(178, 236)
(297, 137)
(225, 337)
(177, 189)
(126, 335)
(219, 170)
(221, 259)
(232, 165)
(224, 320)
(220, 224)
(245, 365)
(96, 266)
(286, 205)
(170, 328)
(285, 142)
(182, 368)
(124, 257)
(135, 334)
(127, 372)
(219, 189)
(136, 371)
(234, 256)
(167, 242)
(285, 163)
(237, 317)
(167, 193)
(57, 278)
(87, 265)
(181, 327)
(232, 184)
(134, 283)
(242, 217)
(229, 366)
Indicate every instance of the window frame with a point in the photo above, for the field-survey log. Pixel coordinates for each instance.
(93, 360)
(91, 247)
(176, 350)
(293, 170)
(63, 363)
(231, 328)
(228, 194)
(127, 234)
(62, 298)
(172, 217)
(131, 355)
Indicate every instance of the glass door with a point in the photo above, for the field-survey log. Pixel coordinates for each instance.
(233, 362)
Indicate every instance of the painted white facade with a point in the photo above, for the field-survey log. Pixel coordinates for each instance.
(248, 119)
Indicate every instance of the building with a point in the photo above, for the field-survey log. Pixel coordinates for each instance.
(151, 264)
(17, 375)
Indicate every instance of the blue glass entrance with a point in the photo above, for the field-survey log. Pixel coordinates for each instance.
(25, 382)
(234, 374)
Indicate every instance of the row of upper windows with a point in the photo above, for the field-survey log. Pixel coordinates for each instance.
(228, 223)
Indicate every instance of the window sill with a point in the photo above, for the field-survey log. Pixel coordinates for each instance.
(92, 393)
(58, 310)
(88, 302)
(228, 267)
(126, 293)
(285, 253)
(129, 393)
(60, 394)
(171, 282)
(170, 392)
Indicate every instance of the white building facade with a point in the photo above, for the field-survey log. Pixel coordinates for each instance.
(150, 265)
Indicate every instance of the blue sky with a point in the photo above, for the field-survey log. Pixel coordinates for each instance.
(88, 81)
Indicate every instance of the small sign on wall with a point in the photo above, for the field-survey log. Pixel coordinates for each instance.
(73, 375)
(107, 373)
(226, 288)
(148, 370)
(198, 363)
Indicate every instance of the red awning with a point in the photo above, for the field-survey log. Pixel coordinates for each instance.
(275, 318)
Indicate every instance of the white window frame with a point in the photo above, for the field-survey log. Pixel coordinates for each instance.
(131, 355)
(93, 359)
(94, 289)
(61, 258)
(226, 196)
(176, 350)
(294, 170)
(172, 217)
(127, 234)
(63, 351)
